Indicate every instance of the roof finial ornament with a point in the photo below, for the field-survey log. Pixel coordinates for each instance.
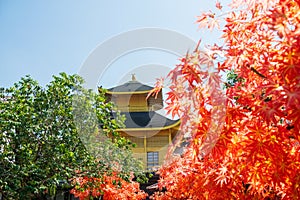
(133, 77)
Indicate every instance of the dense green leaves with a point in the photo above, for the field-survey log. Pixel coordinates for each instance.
(56, 133)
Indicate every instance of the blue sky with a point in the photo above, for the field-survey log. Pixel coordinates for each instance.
(43, 38)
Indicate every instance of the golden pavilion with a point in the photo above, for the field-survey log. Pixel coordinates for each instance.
(150, 131)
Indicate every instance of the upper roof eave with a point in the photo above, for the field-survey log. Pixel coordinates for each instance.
(128, 92)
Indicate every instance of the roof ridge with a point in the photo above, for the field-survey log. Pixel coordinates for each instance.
(131, 86)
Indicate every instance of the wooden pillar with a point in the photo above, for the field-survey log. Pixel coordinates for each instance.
(170, 136)
(145, 143)
(145, 151)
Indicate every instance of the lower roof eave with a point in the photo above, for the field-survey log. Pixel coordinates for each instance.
(175, 125)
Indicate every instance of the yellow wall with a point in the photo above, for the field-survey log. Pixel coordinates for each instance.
(131, 102)
(138, 103)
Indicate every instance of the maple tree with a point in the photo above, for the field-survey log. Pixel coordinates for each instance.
(243, 140)
(109, 186)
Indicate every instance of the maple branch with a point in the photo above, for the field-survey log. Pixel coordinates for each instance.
(257, 72)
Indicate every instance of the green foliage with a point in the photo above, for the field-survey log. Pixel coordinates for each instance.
(53, 133)
(232, 78)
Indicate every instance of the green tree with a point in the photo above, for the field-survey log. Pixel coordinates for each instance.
(43, 140)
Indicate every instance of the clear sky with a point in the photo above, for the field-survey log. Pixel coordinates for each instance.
(43, 38)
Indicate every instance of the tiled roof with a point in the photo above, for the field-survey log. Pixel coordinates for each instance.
(146, 120)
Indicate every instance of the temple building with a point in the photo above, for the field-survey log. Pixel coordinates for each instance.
(144, 126)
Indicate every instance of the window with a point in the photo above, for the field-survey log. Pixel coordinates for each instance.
(152, 160)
